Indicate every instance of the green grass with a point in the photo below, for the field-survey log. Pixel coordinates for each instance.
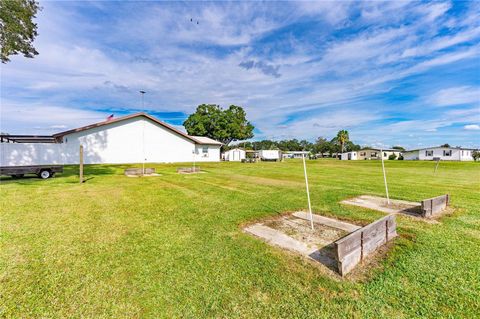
(172, 246)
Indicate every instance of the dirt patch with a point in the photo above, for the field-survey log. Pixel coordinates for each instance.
(301, 230)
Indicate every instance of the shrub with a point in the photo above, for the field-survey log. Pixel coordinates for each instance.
(476, 155)
(392, 157)
(400, 157)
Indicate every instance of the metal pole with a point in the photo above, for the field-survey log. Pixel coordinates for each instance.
(385, 177)
(143, 133)
(436, 166)
(308, 192)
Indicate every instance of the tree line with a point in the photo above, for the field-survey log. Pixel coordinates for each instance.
(320, 146)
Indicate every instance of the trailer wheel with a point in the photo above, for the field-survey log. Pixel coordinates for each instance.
(44, 174)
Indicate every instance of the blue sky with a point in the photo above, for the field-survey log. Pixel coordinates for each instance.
(391, 73)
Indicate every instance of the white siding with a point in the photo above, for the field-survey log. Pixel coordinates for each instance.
(440, 152)
(269, 154)
(24, 154)
(345, 156)
(428, 154)
(212, 153)
(235, 155)
(128, 141)
(412, 155)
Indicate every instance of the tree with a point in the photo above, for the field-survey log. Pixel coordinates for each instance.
(400, 148)
(445, 145)
(342, 138)
(476, 155)
(321, 146)
(17, 29)
(222, 125)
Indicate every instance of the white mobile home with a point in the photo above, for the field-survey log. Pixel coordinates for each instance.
(350, 156)
(442, 153)
(130, 139)
(370, 154)
(234, 155)
(295, 154)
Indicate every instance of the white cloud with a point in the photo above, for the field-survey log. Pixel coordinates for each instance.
(155, 47)
(456, 96)
(472, 127)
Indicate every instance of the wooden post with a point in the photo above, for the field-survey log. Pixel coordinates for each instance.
(81, 164)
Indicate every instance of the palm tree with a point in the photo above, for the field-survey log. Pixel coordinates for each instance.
(342, 137)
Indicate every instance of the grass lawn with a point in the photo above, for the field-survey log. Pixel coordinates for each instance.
(172, 246)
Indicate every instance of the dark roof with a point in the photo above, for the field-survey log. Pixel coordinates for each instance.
(27, 138)
(123, 118)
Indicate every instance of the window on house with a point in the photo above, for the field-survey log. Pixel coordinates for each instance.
(447, 152)
(384, 154)
(428, 153)
(205, 149)
(363, 154)
(373, 154)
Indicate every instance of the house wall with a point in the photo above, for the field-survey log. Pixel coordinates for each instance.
(353, 156)
(128, 141)
(207, 153)
(438, 152)
(369, 154)
(23, 154)
(411, 156)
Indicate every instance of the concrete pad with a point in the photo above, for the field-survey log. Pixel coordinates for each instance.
(146, 175)
(327, 221)
(380, 204)
(278, 238)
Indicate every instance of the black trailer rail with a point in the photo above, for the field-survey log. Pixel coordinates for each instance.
(42, 171)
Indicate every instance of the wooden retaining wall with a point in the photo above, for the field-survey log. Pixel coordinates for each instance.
(434, 206)
(353, 248)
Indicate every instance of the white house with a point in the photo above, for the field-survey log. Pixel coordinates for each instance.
(370, 154)
(235, 155)
(295, 154)
(129, 139)
(349, 156)
(442, 153)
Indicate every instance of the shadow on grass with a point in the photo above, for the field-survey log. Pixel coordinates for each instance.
(89, 171)
(326, 257)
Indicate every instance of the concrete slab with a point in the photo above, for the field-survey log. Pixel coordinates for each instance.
(380, 204)
(328, 221)
(278, 238)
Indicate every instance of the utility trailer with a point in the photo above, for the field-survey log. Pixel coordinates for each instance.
(270, 155)
(42, 171)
